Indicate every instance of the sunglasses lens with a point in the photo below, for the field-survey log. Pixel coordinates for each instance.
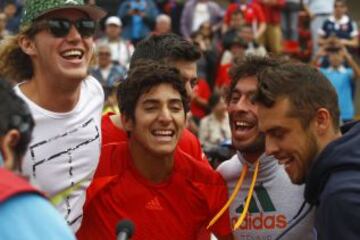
(59, 28)
(86, 28)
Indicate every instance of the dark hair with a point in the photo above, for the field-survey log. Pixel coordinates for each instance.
(145, 75)
(343, 2)
(305, 87)
(15, 114)
(247, 67)
(165, 47)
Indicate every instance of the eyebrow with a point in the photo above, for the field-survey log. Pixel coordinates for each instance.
(156, 101)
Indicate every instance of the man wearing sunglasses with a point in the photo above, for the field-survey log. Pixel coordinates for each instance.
(50, 56)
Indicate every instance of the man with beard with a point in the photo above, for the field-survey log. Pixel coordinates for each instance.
(267, 200)
(299, 114)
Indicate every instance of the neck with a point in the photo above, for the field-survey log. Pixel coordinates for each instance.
(52, 97)
(155, 168)
(328, 138)
(251, 157)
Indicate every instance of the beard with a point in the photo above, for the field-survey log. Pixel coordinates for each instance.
(258, 146)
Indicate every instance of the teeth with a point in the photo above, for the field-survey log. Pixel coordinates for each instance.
(72, 53)
(242, 124)
(163, 132)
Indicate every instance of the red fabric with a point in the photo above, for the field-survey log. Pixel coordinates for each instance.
(11, 185)
(175, 209)
(203, 91)
(252, 12)
(187, 143)
(272, 13)
(223, 79)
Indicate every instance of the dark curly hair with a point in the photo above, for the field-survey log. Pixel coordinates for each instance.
(143, 76)
(167, 48)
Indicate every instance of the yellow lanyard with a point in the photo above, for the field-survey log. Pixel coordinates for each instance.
(235, 192)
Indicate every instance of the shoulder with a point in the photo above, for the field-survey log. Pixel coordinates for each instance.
(195, 171)
(94, 87)
(29, 216)
(231, 168)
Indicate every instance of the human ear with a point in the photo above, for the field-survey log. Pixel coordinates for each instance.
(323, 121)
(127, 123)
(27, 45)
(8, 145)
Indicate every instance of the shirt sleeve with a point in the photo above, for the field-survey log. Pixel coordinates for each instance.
(29, 216)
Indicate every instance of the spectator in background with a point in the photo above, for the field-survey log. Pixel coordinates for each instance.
(237, 47)
(341, 77)
(107, 73)
(339, 29)
(253, 15)
(163, 24)
(207, 64)
(318, 11)
(139, 18)
(214, 128)
(24, 211)
(272, 37)
(196, 12)
(3, 31)
(121, 49)
(290, 20)
(12, 17)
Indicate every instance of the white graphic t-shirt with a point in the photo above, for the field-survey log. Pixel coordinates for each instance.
(65, 148)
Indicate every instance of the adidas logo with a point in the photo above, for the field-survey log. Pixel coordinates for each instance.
(262, 212)
(154, 204)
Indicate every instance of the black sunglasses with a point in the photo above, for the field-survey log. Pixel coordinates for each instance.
(59, 27)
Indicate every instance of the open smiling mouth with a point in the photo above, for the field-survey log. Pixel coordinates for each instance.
(73, 54)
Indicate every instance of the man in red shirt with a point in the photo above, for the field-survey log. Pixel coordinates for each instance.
(164, 191)
(179, 53)
(253, 15)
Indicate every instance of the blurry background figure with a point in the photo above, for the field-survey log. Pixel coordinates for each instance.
(12, 16)
(107, 73)
(3, 31)
(236, 47)
(290, 20)
(197, 12)
(214, 128)
(121, 49)
(341, 72)
(318, 11)
(138, 17)
(163, 24)
(339, 29)
(253, 15)
(207, 65)
(272, 37)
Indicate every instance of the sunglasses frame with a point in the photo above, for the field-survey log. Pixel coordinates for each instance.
(60, 27)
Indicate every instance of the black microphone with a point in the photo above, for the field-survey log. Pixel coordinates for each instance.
(124, 230)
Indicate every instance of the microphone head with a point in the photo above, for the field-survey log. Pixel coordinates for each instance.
(125, 226)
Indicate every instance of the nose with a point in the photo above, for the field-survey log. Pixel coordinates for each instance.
(73, 34)
(244, 104)
(164, 115)
(271, 148)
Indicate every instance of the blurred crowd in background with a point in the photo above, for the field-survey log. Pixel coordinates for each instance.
(319, 32)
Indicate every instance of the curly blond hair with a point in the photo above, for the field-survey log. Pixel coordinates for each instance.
(15, 65)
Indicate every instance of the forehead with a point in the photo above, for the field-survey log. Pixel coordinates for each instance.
(161, 93)
(187, 69)
(71, 14)
(276, 116)
(246, 84)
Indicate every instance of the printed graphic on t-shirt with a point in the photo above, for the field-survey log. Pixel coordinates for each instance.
(63, 162)
(262, 216)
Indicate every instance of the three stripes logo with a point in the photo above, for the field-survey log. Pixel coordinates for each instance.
(262, 212)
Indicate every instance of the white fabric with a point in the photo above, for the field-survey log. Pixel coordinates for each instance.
(65, 149)
(273, 188)
(201, 15)
(121, 51)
